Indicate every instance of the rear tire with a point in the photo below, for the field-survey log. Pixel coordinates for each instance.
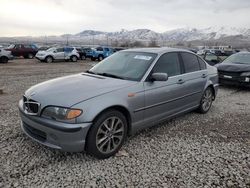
(49, 59)
(206, 101)
(107, 134)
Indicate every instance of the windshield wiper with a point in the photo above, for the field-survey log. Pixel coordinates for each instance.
(90, 72)
(110, 75)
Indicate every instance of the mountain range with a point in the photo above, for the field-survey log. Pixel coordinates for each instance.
(223, 35)
(182, 34)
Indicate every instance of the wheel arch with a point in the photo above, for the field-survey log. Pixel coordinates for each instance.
(50, 56)
(213, 90)
(121, 109)
(4, 57)
(73, 56)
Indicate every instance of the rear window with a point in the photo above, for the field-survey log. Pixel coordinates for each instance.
(202, 64)
(190, 61)
(68, 49)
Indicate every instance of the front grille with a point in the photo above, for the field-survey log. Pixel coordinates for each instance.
(31, 106)
(35, 133)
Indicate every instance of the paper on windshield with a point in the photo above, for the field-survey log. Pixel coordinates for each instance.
(143, 57)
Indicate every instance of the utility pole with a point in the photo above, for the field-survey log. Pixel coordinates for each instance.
(67, 40)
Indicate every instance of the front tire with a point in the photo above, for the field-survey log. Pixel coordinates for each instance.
(100, 58)
(107, 134)
(4, 60)
(73, 58)
(206, 101)
(83, 57)
(48, 59)
(30, 56)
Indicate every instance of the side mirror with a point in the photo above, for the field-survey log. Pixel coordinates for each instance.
(159, 76)
(54, 51)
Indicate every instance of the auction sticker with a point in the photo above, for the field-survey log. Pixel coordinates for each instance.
(143, 57)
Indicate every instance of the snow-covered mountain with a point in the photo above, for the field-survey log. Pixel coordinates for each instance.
(182, 34)
(229, 35)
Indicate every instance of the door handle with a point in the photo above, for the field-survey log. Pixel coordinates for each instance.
(180, 81)
(204, 75)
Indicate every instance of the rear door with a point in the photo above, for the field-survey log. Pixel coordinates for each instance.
(59, 54)
(195, 77)
(165, 98)
(17, 51)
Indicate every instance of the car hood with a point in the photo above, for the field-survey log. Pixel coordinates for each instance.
(233, 67)
(70, 90)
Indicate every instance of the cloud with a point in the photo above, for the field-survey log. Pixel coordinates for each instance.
(48, 17)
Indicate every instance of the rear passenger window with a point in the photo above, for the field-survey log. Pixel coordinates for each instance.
(202, 64)
(60, 50)
(99, 49)
(168, 63)
(190, 61)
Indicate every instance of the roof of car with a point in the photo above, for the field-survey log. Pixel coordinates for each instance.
(157, 50)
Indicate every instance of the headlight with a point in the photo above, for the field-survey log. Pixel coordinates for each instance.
(245, 74)
(61, 113)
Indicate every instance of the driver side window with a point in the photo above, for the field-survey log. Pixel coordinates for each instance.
(168, 63)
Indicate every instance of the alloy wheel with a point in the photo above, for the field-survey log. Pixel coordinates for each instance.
(207, 100)
(110, 135)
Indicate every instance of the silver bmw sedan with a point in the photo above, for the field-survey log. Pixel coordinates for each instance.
(133, 89)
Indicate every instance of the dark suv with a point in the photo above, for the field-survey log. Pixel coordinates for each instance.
(24, 50)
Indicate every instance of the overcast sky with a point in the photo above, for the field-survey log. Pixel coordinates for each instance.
(53, 17)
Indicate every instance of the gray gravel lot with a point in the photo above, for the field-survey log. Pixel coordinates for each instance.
(211, 150)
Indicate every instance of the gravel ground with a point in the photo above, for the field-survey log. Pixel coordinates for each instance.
(194, 150)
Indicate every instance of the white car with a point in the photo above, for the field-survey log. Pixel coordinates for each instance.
(62, 53)
(5, 56)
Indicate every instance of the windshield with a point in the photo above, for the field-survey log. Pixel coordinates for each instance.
(125, 65)
(11, 46)
(243, 58)
(51, 49)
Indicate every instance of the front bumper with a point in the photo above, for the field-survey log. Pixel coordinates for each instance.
(10, 57)
(235, 81)
(41, 58)
(58, 135)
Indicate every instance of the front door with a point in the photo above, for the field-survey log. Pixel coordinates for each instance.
(165, 98)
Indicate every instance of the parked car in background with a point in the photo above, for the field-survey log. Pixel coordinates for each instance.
(43, 48)
(211, 59)
(84, 52)
(117, 49)
(235, 70)
(202, 52)
(55, 54)
(129, 91)
(100, 53)
(5, 56)
(24, 50)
